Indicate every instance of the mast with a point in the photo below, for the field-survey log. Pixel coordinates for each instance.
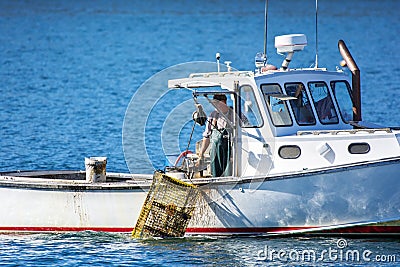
(265, 32)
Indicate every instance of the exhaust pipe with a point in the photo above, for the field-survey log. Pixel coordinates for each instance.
(355, 78)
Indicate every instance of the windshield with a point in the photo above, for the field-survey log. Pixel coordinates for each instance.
(301, 105)
(277, 107)
(323, 103)
(341, 90)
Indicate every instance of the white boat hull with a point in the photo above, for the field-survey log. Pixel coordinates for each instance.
(42, 210)
(362, 198)
(329, 199)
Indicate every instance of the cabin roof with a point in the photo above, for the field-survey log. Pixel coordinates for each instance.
(223, 79)
(226, 79)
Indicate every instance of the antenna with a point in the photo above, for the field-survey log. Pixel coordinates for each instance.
(316, 33)
(265, 31)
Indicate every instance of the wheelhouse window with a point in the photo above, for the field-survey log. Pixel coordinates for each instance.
(276, 104)
(249, 111)
(323, 103)
(342, 93)
(301, 105)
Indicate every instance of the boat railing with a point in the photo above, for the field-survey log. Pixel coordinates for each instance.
(222, 74)
(351, 131)
(71, 177)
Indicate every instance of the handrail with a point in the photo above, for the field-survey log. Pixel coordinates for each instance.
(352, 131)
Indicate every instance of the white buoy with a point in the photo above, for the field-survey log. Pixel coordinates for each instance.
(95, 169)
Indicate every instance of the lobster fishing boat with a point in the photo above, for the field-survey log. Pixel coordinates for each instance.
(290, 154)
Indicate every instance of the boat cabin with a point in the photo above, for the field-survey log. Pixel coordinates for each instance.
(286, 120)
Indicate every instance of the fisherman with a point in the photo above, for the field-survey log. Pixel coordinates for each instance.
(217, 133)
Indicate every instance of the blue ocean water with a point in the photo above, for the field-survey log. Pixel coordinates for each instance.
(68, 70)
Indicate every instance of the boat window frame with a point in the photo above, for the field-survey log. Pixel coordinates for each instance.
(349, 90)
(311, 102)
(268, 106)
(242, 125)
(329, 93)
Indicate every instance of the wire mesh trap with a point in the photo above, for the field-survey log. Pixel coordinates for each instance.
(168, 208)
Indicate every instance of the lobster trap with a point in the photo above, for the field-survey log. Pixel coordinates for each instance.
(168, 208)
